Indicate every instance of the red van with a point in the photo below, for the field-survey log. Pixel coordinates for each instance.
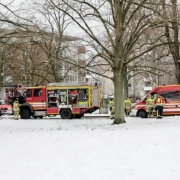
(171, 94)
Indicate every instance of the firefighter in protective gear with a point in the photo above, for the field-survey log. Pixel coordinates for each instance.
(111, 102)
(150, 105)
(112, 112)
(159, 103)
(16, 108)
(127, 106)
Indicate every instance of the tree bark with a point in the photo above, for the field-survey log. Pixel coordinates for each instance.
(119, 99)
(175, 26)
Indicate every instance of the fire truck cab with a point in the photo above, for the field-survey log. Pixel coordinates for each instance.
(68, 101)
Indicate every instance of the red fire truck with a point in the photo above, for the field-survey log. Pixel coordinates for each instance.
(67, 100)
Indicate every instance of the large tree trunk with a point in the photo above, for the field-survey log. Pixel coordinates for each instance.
(126, 95)
(175, 26)
(173, 42)
(119, 99)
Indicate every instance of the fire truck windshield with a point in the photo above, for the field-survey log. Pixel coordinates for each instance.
(20, 92)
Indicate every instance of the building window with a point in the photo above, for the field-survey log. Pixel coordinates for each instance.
(75, 78)
(92, 80)
(139, 84)
(82, 79)
(9, 79)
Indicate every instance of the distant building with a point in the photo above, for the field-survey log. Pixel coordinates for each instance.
(25, 59)
(141, 83)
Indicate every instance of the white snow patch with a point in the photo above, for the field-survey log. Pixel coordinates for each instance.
(90, 149)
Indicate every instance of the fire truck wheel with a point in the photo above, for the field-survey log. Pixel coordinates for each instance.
(142, 114)
(25, 114)
(66, 114)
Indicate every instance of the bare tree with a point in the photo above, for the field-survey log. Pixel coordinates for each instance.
(50, 36)
(41, 41)
(118, 32)
(170, 18)
(14, 41)
(117, 41)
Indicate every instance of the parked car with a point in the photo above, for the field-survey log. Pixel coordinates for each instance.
(5, 107)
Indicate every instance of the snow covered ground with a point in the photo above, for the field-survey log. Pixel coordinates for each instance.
(90, 149)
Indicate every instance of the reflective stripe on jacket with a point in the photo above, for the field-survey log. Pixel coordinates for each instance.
(159, 101)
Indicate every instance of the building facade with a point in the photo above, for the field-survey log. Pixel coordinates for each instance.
(31, 61)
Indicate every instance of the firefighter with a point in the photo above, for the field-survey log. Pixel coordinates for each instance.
(111, 102)
(127, 106)
(159, 103)
(112, 112)
(16, 108)
(150, 105)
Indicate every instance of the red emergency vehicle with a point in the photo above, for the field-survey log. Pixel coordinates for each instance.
(5, 107)
(67, 100)
(171, 95)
